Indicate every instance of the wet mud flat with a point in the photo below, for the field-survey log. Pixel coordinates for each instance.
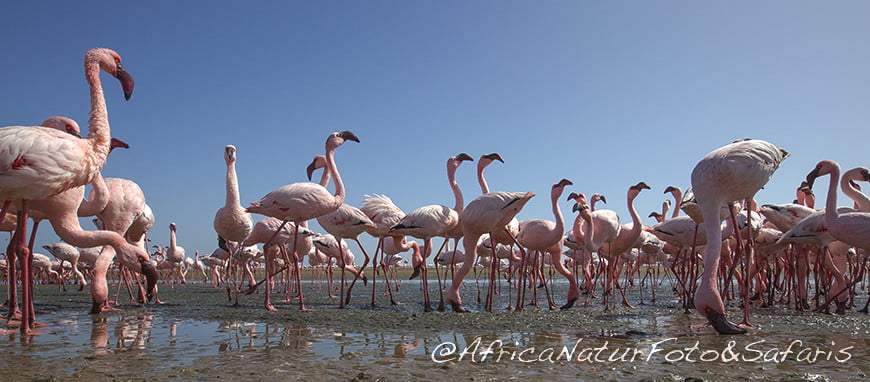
(197, 335)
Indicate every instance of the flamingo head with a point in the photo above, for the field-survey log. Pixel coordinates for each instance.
(822, 168)
(486, 159)
(671, 189)
(577, 197)
(110, 62)
(463, 157)
(172, 226)
(151, 276)
(63, 124)
(230, 154)
(319, 161)
(563, 183)
(583, 209)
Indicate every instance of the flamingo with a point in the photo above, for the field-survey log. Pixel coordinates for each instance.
(38, 163)
(384, 214)
(126, 214)
(347, 222)
(628, 236)
(298, 202)
(852, 228)
(545, 236)
(485, 214)
(65, 252)
(730, 173)
(513, 227)
(231, 222)
(601, 227)
(434, 220)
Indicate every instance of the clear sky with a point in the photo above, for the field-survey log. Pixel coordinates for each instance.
(604, 93)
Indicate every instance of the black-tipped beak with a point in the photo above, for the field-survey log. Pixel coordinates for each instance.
(811, 177)
(564, 182)
(126, 81)
(641, 186)
(117, 143)
(348, 136)
(669, 189)
(151, 277)
(464, 157)
(577, 207)
(310, 170)
(495, 156)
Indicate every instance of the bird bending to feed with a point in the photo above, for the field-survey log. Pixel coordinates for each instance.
(730, 173)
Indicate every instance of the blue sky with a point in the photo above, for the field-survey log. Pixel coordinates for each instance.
(605, 94)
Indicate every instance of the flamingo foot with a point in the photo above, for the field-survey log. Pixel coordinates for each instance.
(627, 305)
(569, 304)
(457, 307)
(509, 308)
(721, 324)
(271, 308)
(441, 307)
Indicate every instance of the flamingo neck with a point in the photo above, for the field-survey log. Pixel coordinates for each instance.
(457, 192)
(172, 238)
(324, 178)
(678, 197)
(590, 232)
(831, 202)
(233, 199)
(100, 198)
(862, 202)
(557, 213)
(333, 169)
(98, 124)
(484, 188)
(67, 227)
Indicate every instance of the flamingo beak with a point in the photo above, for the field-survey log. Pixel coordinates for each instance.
(310, 170)
(126, 81)
(348, 136)
(464, 157)
(116, 143)
(811, 177)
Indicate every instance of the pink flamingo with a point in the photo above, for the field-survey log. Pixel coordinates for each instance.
(65, 252)
(298, 202)
(512, 229)
(38, 163)
(730, 173)
(125, 208)
(601, 227)
(384, 214)
(628, 236)
(434, 220)
(347, 222)
(231, 222)
(485, 214)
(545, 236)
(852, 228)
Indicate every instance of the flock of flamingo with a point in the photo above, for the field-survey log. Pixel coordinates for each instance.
(724, 235)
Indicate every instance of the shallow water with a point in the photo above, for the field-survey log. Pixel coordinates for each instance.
(196, 335)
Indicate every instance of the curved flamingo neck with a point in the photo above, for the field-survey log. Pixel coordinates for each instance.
(333, 169)
(100, 198)
(831, 202)
(457, 192)
(233, 198)
(862, 202)
(590, 230)
(172, 238)
(557, 213)
(484, 188)
(98, 124)
(678, 197)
